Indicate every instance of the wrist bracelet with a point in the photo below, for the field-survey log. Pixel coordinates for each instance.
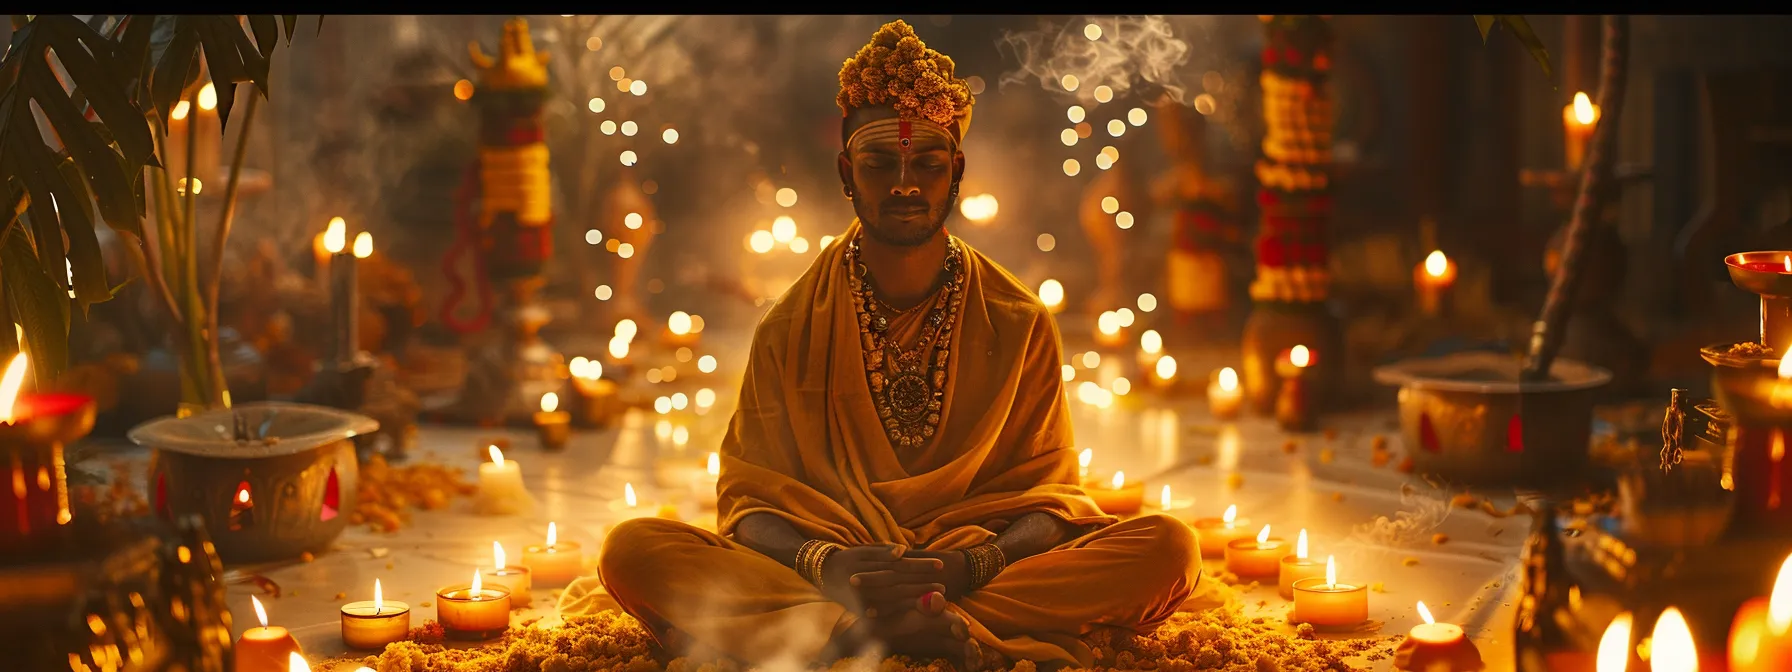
(985, 561)
(810, 557)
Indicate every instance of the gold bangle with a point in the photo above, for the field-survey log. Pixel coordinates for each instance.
(985, 562)
(810, 557)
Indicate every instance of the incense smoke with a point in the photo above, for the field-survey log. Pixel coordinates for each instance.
(1133, 52)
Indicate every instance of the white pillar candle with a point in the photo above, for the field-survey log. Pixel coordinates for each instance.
(501, 490)
(555, 563)
(513, 578)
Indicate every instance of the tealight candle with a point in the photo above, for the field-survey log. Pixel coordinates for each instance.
(1172, 507)
(1294, 410)
(373, 625)
(501, 490)
(1255, 557)
(1437, 647)
(553, 427)
(296, 662)
(1759, 640)
(473, 612)
(704, 486)
(1325, 602)
(513, 579)
(264, 649)
(598, 407)
(1224, 396)
(1117, 497)
(1296, 567)
(556, 563)
(1432, 280)
(1671, 646)
(1083, 460)
(1215, 533)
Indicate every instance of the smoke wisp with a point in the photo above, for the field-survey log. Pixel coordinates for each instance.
(1129, 52)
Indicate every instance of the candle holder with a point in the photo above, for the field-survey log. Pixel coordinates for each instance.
(1468, 418)
(372, 625)
(511, 578)
(1294, 568)
(272, 480)
(599, 406)
(1294, 407)
(473, 615)
(1437, 647)
(1330, 605)
(1214, 534)
(555, 565)
(1253, 559)
(553, 429)
(1125, 500)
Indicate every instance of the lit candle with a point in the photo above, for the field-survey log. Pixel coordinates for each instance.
(296, 663)
(373, 625)
(501, 489)
(1671, 648)
(598, 394)
(1325, 602)
(1258, 557)
(344, 311)
(509, 577)
(1613, 654)
(1224, 397)
(1758, 637)
(1117, 497)
(473, 612)
(1083, 460)
(1294, 410)
(202, 120)
(1164, 372)
(555, 563)
(1432, 279)
(1170, 506)
(682, 329)
(552, 426)
(1296, 567)
(1215, 533)
(1578, 120)
(264, 649)
(1437, 647)
(33, 430)
(704, 487)
(1108, 330)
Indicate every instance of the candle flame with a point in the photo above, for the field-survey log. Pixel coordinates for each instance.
(1119, 480)
(1164, 499)
(243, 495)
(1300, 545)
(628, 494)
(1228, 379)
(1671, 648)
(476, 586)
(261, 613)
(679, 323)
(1263, 535)
(1584, 111)
(1425, 613)
(1230, 515)
(363, 245)
(1084, 458)
(1300, 356)
(1051, 293)
(208, 97)
(1788, 261)
(1151, 342)
(1436, 263)
(379, 597)
(1331, 570)
(1779, 604)
(1166, 367)
(180, 110)
(715, 464)
(497, 455)
(1614, 645)
(552, 537)
(9, 386)
(336, 235)
(549, 402)
(294, 661)
(497, 555)
(1785, 370)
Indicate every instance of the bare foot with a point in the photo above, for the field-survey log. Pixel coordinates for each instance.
(924, 637)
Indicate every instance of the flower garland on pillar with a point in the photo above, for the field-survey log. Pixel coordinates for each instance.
(1295, 194)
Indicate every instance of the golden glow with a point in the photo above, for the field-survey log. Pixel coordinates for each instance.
(783, 229)
(1076, 115)
(1147, 303)
(706, 364)
(628, 494)
(463, 90)
(1230, 515)
(1671, 648)
(1785, 369)
(336, 235)
(496, 455)
(1788, 261)
(1091, 359)
(497, 555)
(1136, 116)
(670, 136)
(715, 464)
(379, 596)
(476, 587)
(1436, 263)
(1163, 500)
(1051, 293)
(363, 245)
(1263, 535)
(628, 157)
(10, 382)
(786, 197)
(1779, 604)
(1110, 205)
(1108, 323)
(1300, 356)
(607, 128)
(180, 110)
(1585, 111)
(208, 97)
(629, 128)
(242, 496)
(552, 537)
(1121, 386)
(1300, 545)
(633, 220)
(761, 241)
(1425, 613)
(618, 348)
(596, 105)
(1228, 379)
(1069, 373)
(1119, 480)
(1124, 220)
(1104, 94)
(638, 88)
(1166, 367)
(1125, 316)
(198, 185)
(1614, 645)
(1116, 128)
(1092, 31)
(1046, 242)
(1331, 571)
(679, 323)
(979, 208)
(1069, 82)
(1083, 459)
(294, 661)
(1151, 342)
(1071, 167)
(550, 402)
(261, 613)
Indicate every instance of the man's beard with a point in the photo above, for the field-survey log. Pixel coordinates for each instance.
(898, 232)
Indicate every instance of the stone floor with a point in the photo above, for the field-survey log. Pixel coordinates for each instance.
(1328, 486)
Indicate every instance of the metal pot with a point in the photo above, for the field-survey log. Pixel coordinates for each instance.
(1467, 418)
(272, 480)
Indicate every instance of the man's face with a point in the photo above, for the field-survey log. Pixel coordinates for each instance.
(902, 197)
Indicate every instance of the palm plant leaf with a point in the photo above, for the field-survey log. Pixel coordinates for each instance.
(1521, 30)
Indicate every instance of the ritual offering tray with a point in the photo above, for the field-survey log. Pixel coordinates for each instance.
(1468, 418)
(271, 480)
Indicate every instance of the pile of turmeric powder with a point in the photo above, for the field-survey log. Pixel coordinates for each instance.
(385, 495)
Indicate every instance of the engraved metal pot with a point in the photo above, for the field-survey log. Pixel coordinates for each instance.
(271, 480)
(1467, 418)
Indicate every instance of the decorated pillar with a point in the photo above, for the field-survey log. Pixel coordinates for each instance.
(1295, 205)
(507, 222)
(1197, 289)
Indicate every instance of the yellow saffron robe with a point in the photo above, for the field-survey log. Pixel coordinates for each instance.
(806, 445)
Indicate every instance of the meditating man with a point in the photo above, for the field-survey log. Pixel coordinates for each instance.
(899, 476)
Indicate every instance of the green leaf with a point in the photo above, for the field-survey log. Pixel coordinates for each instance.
(92, 68)
(99, 160)
(133, 46)
(267, 33)
(21, 156)
(320, 24)
(289, 22)
(38, 305)
(1521, 29)
(85, 262)
(1485, 23)
(169, 77)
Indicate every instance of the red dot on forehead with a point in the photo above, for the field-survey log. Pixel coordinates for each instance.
(905, 131)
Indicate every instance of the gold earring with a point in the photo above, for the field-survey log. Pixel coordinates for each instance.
(846, 190)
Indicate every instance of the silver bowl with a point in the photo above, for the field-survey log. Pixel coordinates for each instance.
(1468, 418)
(271, 480)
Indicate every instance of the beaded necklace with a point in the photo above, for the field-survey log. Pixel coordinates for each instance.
(908, 386)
